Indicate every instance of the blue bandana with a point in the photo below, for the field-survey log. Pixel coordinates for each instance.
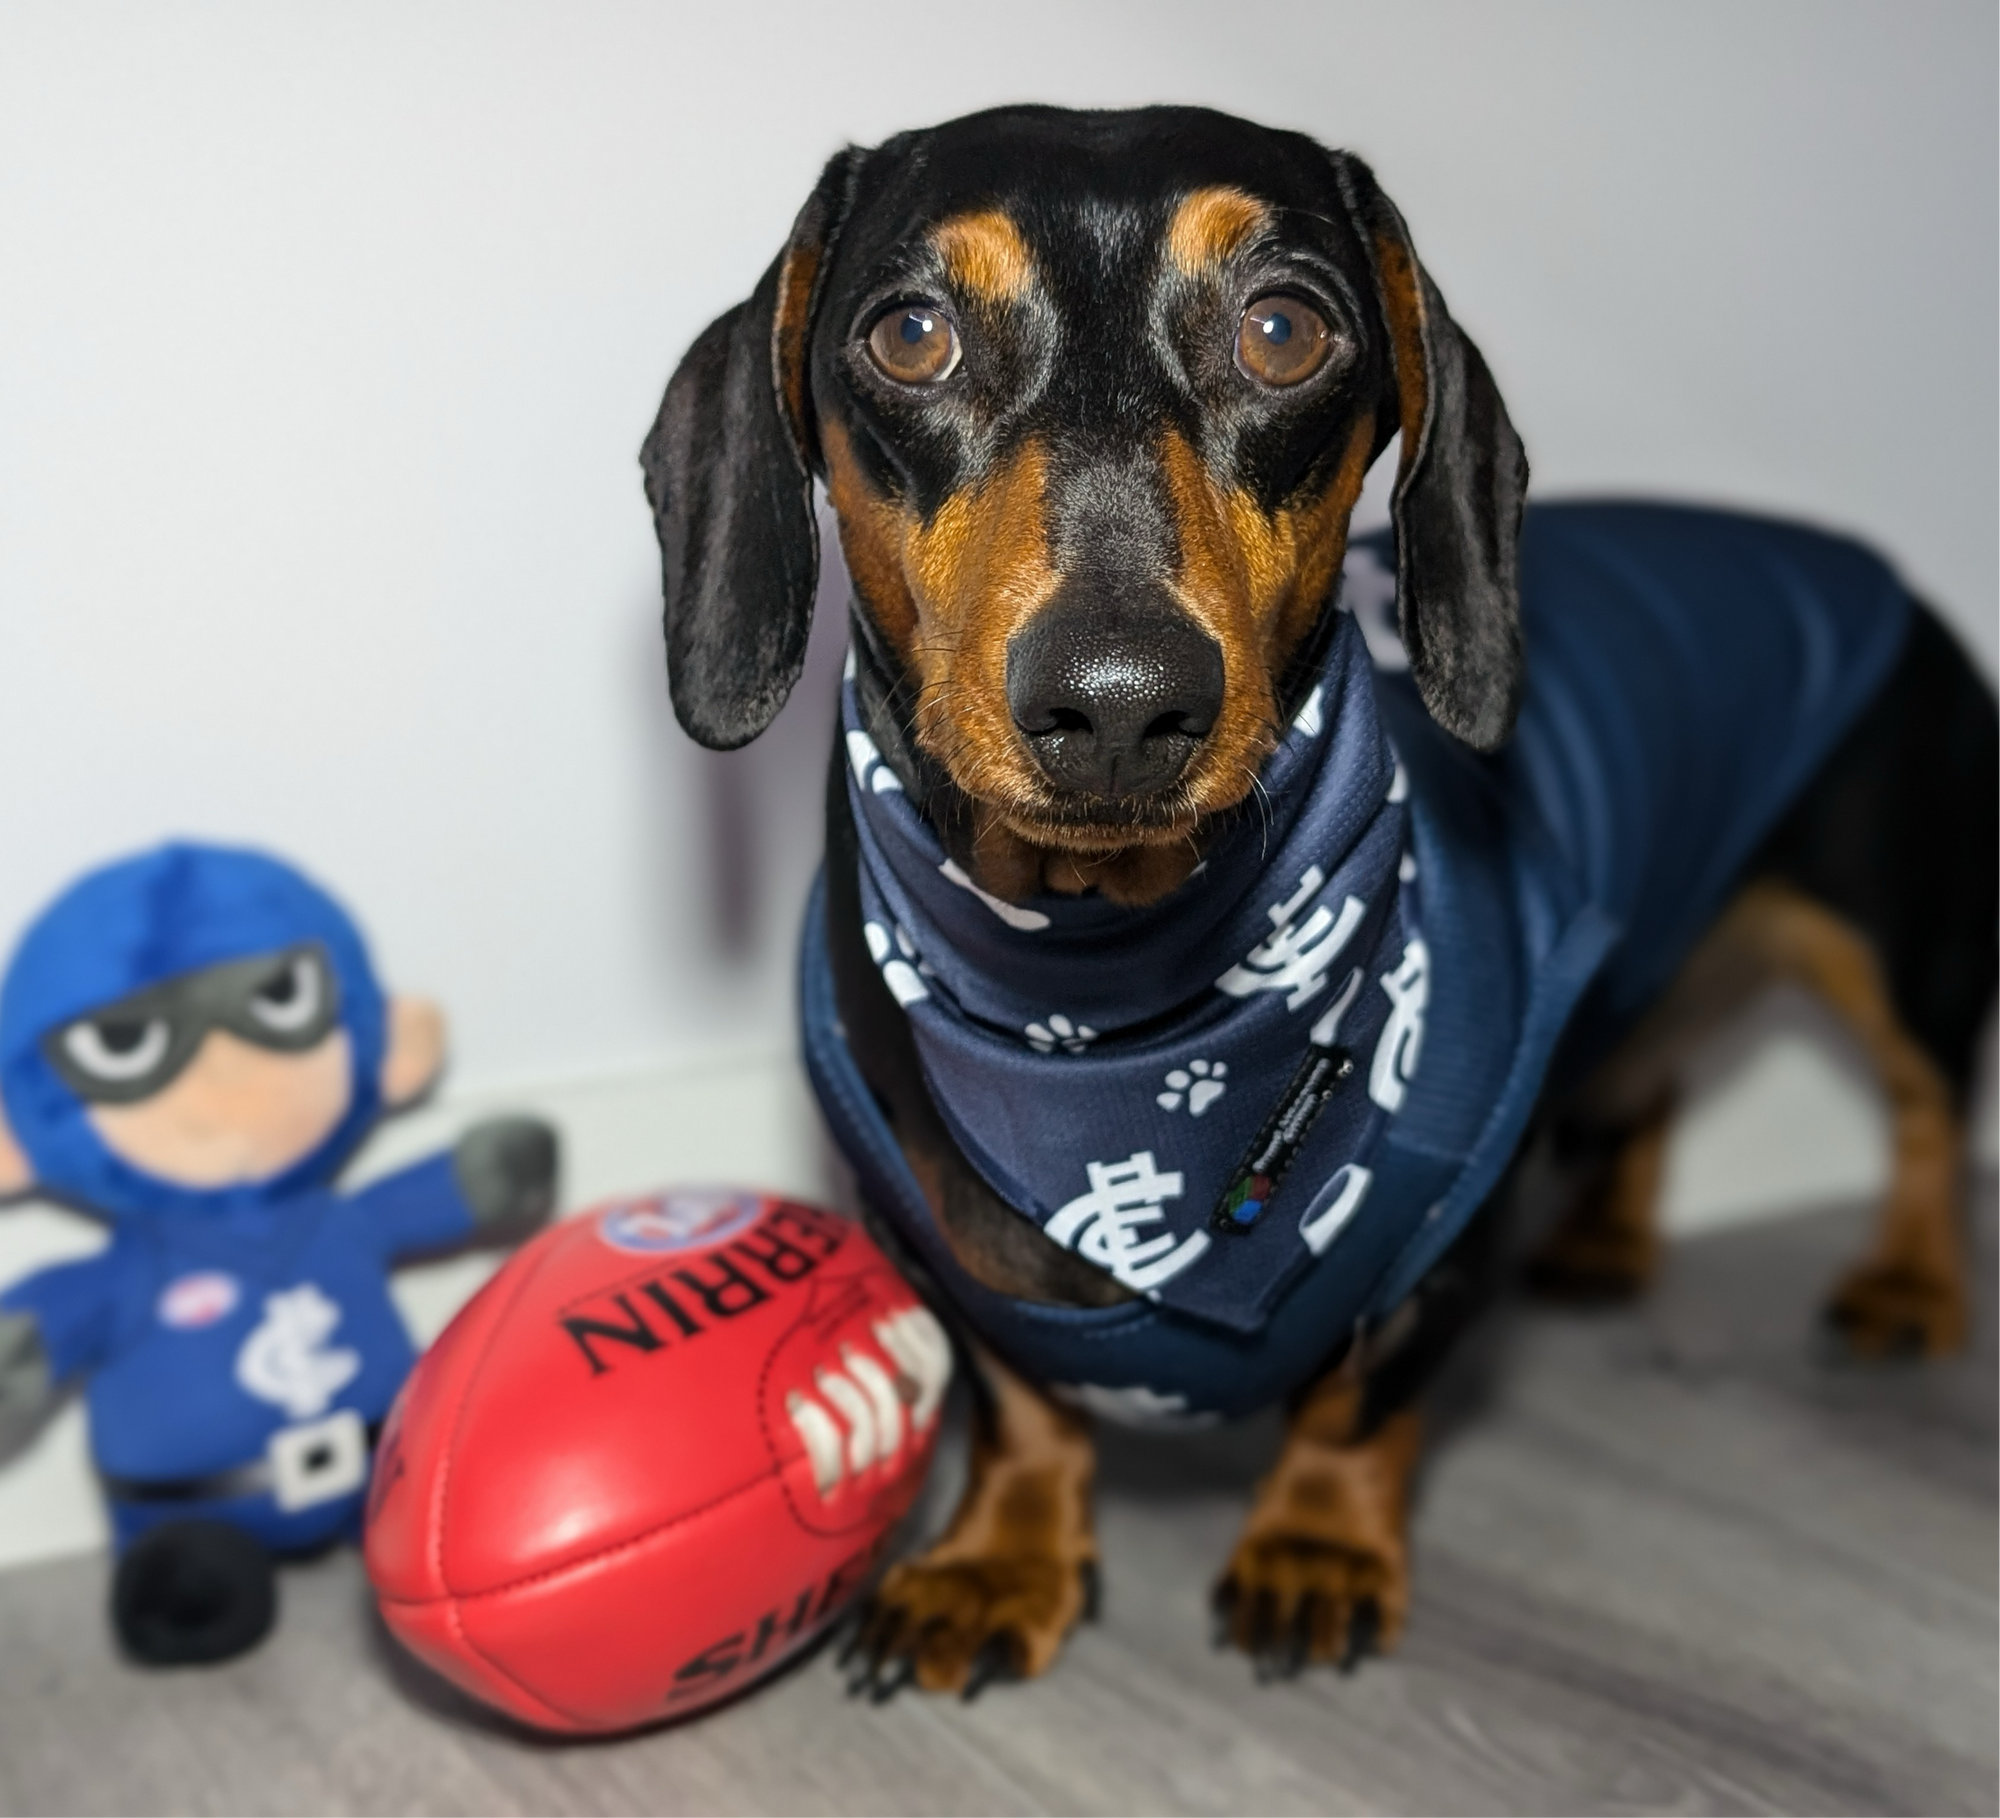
(177, 909)
(1187, 1095)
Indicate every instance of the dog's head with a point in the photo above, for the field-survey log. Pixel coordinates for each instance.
(1092, 395)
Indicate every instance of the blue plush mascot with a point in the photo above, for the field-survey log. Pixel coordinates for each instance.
(192, 1044)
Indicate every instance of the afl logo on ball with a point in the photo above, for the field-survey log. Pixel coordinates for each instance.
(686, 1219)
(197, 1300)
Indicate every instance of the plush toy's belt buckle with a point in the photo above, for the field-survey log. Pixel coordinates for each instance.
(318, 1460)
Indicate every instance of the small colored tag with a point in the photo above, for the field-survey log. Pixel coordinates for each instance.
(1278, 1143)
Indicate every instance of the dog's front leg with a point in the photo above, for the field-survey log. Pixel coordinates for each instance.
(1321, 1572)
(1016, 1569)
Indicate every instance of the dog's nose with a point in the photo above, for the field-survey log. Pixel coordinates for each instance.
(1113, 701)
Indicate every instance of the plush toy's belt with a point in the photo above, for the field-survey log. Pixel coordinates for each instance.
(303, 1465)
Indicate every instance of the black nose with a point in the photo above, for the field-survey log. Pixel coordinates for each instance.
(1113, 700)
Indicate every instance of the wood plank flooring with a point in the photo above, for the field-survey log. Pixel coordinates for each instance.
(1669, 1559)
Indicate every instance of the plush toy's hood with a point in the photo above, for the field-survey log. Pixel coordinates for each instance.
(138, 922)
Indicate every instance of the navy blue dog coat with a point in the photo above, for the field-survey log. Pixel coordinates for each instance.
(1268, 1103)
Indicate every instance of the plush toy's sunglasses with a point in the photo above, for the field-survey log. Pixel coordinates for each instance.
(131, 1049)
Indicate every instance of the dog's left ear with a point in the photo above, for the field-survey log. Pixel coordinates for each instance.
(1460, 487)
(729, 468)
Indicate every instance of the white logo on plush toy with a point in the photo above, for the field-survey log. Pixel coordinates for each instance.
(868, 1402)
(190, 1302)
(284, 1360)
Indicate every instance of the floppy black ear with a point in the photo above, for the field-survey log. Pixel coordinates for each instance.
(1460, 487)
(729, 467)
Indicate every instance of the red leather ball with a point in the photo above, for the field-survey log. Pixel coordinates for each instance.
(653, 1457)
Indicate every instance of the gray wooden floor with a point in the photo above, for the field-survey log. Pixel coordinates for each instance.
(1669, 1561)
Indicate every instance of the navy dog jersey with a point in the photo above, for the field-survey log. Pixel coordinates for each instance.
(1687, 672)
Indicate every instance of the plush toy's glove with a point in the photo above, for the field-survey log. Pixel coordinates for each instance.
(27, 1384)
(506, 1168)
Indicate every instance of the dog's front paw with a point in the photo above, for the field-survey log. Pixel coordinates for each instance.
(955, 1622)
(1291, 1601)
(1321, 1575)
(1895, 1308)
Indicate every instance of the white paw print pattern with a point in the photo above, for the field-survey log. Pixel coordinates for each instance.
(1060, 1032)
(1199, 1082)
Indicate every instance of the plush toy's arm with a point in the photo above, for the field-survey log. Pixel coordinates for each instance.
(500, 1175)
(54, 1325)
(27, 1382)
(506, 1168)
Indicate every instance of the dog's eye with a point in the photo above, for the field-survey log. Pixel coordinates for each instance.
(914, 345)
(1282, 341)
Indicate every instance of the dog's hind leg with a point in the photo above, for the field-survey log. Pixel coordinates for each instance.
(1015, 1571)
(1884, 893)
(1612, 1132)
(1909, 1293)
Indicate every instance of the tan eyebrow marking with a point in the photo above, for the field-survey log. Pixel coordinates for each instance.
(1211, 224)
(984, 253)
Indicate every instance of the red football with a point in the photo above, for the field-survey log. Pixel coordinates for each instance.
(653, 1457)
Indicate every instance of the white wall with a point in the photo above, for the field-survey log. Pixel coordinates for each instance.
(328, 336)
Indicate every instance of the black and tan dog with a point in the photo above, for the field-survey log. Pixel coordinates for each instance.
(1110, 383)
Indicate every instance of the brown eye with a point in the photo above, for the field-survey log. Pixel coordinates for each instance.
(1282, 341)
(914, 345)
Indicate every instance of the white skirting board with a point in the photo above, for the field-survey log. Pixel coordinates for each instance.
(1782, 1118)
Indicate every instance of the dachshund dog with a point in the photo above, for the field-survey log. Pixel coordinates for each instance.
(1092, 396)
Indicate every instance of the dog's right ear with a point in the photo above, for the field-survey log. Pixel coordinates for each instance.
(729, 470)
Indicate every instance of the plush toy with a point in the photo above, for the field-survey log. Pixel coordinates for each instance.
(192, 1044)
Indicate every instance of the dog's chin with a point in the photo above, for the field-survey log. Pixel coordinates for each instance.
(1131, 849)
(1075, 821)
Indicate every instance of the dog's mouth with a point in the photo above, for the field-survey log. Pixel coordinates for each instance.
(1053, 786)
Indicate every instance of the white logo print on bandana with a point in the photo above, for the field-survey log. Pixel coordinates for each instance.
(1102, 1226)
(284, 1360)
(1395, 1063)
(1297, 958)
